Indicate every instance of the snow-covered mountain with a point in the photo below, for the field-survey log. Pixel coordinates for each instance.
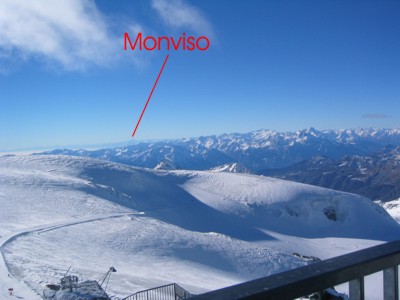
(232, 168)
(166, 164)
(203, 230)
(257, 150)
(376, 176)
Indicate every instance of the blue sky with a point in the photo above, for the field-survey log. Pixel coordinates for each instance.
(283, 65)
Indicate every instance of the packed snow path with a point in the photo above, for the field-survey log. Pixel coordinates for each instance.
(9, 280)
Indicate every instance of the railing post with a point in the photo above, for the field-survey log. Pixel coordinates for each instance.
(175, 293)
(356, 289)
(391, 284)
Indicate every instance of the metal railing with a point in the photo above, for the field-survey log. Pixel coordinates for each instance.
(165, 292)
(352, 268)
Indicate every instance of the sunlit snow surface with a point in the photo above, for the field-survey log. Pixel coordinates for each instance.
(201, 230)
(392, 207)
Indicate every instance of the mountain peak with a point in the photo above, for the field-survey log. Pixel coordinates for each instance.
(166, 164)
(232, 168)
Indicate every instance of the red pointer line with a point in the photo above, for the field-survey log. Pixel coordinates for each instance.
(151, 93)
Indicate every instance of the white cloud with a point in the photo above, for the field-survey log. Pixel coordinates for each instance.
(71, 33)
(74, 34)
(180, 14)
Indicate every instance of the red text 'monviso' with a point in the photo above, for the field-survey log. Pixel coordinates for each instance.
(150, 43)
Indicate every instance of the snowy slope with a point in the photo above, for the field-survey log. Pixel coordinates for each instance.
(392, 207)
(202, 230)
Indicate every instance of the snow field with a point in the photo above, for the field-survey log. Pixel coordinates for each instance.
(201, 230)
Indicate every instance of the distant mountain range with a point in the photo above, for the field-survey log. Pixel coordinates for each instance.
(375, 176)
(257, 150)
(326, 158)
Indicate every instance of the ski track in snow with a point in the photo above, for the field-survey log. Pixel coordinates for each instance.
(4, 240)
